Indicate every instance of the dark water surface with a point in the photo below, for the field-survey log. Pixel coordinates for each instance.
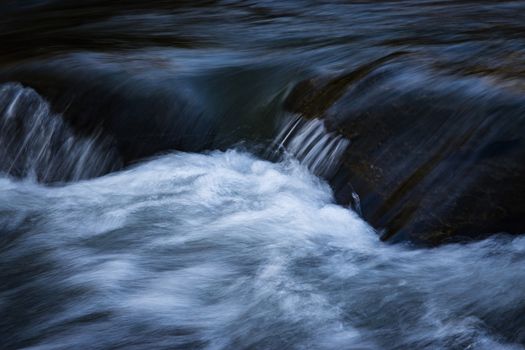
(207, 245)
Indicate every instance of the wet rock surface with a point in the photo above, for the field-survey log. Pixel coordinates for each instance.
(143, 112)
(434, 159)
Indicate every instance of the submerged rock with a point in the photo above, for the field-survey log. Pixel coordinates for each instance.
(144, 104)
(143, 111)
(433, 159)
(37, 143)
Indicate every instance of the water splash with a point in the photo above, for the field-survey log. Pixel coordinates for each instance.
(225, 251)
(37, 143)
(312, 144)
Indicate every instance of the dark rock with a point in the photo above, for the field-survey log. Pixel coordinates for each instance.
(143, 111)
(36, 143)
(146, 106)
(434, 159)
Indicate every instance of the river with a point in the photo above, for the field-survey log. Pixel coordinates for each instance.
(221, 231)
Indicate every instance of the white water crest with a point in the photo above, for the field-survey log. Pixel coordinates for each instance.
(226, 251)
(36, 142)
(313, 145)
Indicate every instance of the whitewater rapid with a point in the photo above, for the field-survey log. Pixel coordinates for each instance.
(226, 251)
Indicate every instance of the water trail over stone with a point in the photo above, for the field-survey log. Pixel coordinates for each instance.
(314, 146)
(36, 142)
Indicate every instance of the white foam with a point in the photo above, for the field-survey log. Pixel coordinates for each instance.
(223, 250)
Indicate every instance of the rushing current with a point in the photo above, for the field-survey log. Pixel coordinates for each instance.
(226, 251)
(156, 194)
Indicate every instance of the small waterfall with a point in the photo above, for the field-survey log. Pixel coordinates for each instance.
(313, 145)
(36, 143)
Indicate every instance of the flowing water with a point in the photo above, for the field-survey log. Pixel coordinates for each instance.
(209, 245)
(226, 251)
(312, 145)
(36, 143)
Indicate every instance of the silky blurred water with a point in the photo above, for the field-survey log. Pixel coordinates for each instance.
(464, 38)
(226, 251)
(221, 249)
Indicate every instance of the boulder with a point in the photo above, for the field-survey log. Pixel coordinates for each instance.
(433, 158)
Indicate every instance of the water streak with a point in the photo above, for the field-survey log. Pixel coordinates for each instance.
(313, 145)
(37, 143)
